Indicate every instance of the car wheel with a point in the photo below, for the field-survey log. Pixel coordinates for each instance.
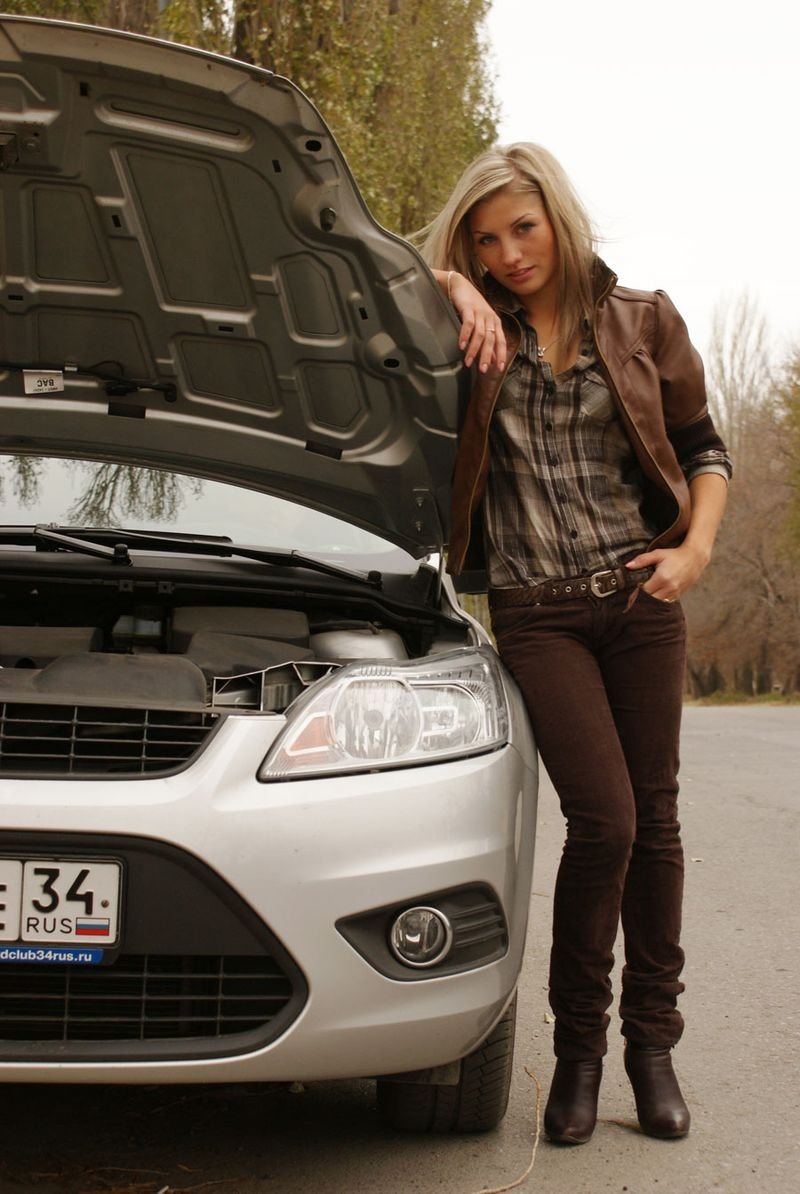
(476, 1103)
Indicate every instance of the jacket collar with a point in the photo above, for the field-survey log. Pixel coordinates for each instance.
(603, 281)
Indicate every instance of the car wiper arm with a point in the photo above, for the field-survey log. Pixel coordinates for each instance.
(91, 540)
(263, 555)
(118, 554)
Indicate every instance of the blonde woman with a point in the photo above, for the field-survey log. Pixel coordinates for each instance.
(591, 482)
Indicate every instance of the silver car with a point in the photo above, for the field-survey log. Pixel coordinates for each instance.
(268, 798)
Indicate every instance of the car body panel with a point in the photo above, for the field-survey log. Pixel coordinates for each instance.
(304, 855)
(185, 249)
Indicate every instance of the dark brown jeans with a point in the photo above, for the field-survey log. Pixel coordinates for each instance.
(603, 685)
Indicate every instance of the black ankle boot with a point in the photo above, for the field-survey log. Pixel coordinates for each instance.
(571, 1111)
(659, 1102)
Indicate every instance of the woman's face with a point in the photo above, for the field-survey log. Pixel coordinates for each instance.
(513, 238)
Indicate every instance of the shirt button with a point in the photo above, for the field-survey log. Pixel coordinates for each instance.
(548, 426)
(552, 459)
(562, 497)
(573, 534)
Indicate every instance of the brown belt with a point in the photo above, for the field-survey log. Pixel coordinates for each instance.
(599, 584)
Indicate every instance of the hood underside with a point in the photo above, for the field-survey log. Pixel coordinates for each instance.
(190, 280)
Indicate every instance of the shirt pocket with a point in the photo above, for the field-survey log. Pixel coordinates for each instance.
(595, 398)
(514, 386)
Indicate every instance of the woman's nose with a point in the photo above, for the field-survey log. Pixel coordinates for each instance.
(510, 252)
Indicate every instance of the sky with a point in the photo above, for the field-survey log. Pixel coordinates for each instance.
(679, 124)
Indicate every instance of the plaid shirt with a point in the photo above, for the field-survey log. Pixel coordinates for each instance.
(564, 488)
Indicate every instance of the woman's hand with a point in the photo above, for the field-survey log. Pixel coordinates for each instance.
(676, 570)
(481, 338)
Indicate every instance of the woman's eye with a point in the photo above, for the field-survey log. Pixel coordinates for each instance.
(485, 240)
(525, 227)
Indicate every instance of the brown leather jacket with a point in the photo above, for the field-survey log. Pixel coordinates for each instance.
(656, 380)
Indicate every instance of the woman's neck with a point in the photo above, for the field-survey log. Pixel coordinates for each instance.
(544, 317)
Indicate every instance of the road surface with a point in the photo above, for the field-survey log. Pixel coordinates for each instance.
(737, 1062)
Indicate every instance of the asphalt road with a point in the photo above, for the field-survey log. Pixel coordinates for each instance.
(738, 1061)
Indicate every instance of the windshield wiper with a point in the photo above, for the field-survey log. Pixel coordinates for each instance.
(91, 540)
(224, 546)
(118, 554)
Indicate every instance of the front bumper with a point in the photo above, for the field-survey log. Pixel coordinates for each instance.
(289, 861)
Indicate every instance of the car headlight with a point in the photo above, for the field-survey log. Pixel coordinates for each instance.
(377, 715)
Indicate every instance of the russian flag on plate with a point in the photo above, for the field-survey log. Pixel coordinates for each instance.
(97, 927)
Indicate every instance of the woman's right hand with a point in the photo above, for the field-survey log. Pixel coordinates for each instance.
(481, 338)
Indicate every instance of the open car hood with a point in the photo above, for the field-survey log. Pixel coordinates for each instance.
(191, 280)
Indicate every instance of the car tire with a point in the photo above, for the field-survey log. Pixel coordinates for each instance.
(477, 1103)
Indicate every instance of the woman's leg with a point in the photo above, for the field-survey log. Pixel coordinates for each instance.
(643, 669)
(603, 684)
(551, 652)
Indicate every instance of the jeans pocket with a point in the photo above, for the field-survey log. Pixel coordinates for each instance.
(658, 602)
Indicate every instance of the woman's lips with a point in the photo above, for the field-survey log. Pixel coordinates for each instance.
(518, 275)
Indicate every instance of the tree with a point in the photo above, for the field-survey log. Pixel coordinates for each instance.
(114, 494)
(789, 393)
(739, 371)
(134, 16)
(744, 615)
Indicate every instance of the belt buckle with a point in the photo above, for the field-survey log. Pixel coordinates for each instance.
(598, 580)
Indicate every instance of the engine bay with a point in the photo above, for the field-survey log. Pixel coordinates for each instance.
(195, 649)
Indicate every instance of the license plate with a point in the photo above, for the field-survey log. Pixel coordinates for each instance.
(61, 901)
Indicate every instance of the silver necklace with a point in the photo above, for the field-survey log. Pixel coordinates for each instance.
(541, 349)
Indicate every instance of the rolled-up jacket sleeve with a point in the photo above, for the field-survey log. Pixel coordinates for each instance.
(713, 461)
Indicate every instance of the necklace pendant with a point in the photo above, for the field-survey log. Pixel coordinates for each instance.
(540, 352)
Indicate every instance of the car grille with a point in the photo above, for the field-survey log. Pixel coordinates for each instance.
(85, 740)
(142, 998)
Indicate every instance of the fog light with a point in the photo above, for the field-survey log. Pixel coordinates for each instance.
(421, 936)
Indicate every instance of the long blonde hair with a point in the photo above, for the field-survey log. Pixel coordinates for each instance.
(446, 242)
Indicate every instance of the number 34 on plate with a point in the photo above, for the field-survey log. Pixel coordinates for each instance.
(61, 901)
